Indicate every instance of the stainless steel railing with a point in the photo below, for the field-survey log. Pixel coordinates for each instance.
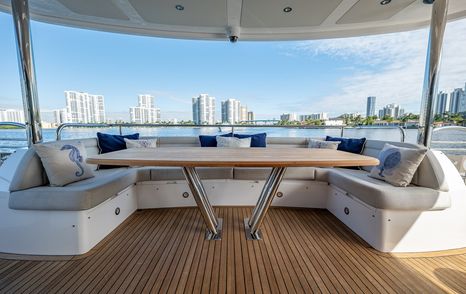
(231, 128)
(455, 150)
(6, 145)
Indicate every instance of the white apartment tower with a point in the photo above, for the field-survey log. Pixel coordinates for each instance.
(391, 110)
(204, 109)
(60, 116)
(84, 107)
(314, 116)
(12, 115)
(289, 117)
(231, 111)
(145, 112)
(243, 113)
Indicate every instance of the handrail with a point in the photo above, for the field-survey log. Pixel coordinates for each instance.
(120, 126)
(13, 124)
(458, 128)
(16, 125)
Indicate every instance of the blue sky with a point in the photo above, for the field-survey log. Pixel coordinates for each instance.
(270, 77)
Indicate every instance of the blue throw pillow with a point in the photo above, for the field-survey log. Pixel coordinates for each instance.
(109, 143)
(211, 141)
(257, 140)
(349, 144)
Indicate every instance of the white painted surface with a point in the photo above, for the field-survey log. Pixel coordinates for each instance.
(61, 232)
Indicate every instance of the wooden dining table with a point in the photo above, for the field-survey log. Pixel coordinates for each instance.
(188, 158)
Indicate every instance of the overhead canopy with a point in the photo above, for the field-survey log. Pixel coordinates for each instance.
(248, 19)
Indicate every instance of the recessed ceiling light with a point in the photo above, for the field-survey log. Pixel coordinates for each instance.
(385, 2)
(287, 9)
(179, 7)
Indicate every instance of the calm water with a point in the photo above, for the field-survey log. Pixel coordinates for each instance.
(371, 133)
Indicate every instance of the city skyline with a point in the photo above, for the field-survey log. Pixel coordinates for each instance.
(307, 76)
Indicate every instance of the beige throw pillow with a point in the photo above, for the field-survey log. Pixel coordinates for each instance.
(319, 144)
(141, 143)
(64, 163)
(397, 164)
(233, 142)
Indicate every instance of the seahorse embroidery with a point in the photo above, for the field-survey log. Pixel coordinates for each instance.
(390, 159)
(75, 156)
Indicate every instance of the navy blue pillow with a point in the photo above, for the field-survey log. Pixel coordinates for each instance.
(349, 144)
(211, 141)
(257, 140)
(109, 143)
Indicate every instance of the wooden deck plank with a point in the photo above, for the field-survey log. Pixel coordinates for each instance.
(303, 251)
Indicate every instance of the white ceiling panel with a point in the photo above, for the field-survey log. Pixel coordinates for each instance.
(372, 10)
(208, 13)
(270, 14)
(98, 8)
(250, 19)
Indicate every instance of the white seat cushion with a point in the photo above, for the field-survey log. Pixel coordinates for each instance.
(382, 195)
(81, 195)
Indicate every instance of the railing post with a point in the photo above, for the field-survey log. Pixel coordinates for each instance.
(20, 12)
(434, 53)
(342, 131)
(121, 132)
(403, 134)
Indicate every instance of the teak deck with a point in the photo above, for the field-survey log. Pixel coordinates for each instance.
(320, 255)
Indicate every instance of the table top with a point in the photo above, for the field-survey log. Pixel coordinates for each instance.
(232, 157)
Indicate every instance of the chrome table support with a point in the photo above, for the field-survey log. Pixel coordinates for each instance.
(269, 190)
(214, 225)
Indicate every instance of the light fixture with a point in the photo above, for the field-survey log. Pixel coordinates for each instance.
(179, 7)
(385, 2)
(287, 9)
(428, 1)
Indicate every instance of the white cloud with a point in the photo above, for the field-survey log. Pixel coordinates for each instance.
(393, 68)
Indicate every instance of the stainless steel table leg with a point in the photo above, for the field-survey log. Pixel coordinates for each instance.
(252, 225)
(263, 195)
(214, 225)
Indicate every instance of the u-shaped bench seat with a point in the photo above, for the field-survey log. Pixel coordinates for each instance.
(389, 218)
(30, 190)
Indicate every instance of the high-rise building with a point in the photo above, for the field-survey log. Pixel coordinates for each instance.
(231, 111)
(145, 112)
(455, 99)
(462, 103)
(12, 115)
(289, 117)
(84, 107)
(442, 100)
(243, 113)
(370, 107)
(314, 116)
(391, 110)
(251, 116)
(60, 116)
(204, 109)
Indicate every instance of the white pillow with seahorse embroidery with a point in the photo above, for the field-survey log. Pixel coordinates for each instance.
(64, 162)
(397, 164)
